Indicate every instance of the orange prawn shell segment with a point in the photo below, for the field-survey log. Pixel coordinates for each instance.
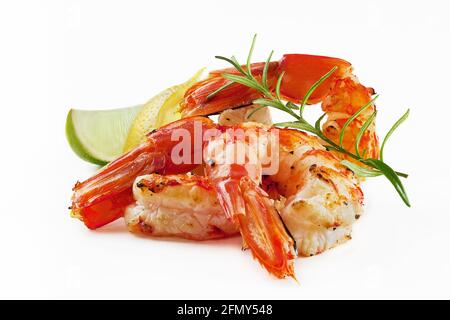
(114, 178)
(301, 71)
(261, 226)
(196, 100)
(104, 212)
(164, 141)
(345, 98)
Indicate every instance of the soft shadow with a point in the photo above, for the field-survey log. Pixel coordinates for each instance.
(232, 241)
(119, 226)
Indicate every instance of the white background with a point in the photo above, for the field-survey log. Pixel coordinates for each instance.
(105, 54)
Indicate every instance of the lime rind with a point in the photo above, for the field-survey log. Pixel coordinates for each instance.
(98, 136)
(75, 143)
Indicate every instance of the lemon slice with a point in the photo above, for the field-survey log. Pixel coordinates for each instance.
(98, 136)
(158, 111)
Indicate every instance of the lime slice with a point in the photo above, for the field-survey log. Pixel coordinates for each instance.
(98, 136)
(158, 111)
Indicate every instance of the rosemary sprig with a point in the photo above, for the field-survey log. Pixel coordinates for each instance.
(369, 167)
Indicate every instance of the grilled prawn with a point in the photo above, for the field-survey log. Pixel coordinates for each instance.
(183, 206)
(341, 95)
(320, 199)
